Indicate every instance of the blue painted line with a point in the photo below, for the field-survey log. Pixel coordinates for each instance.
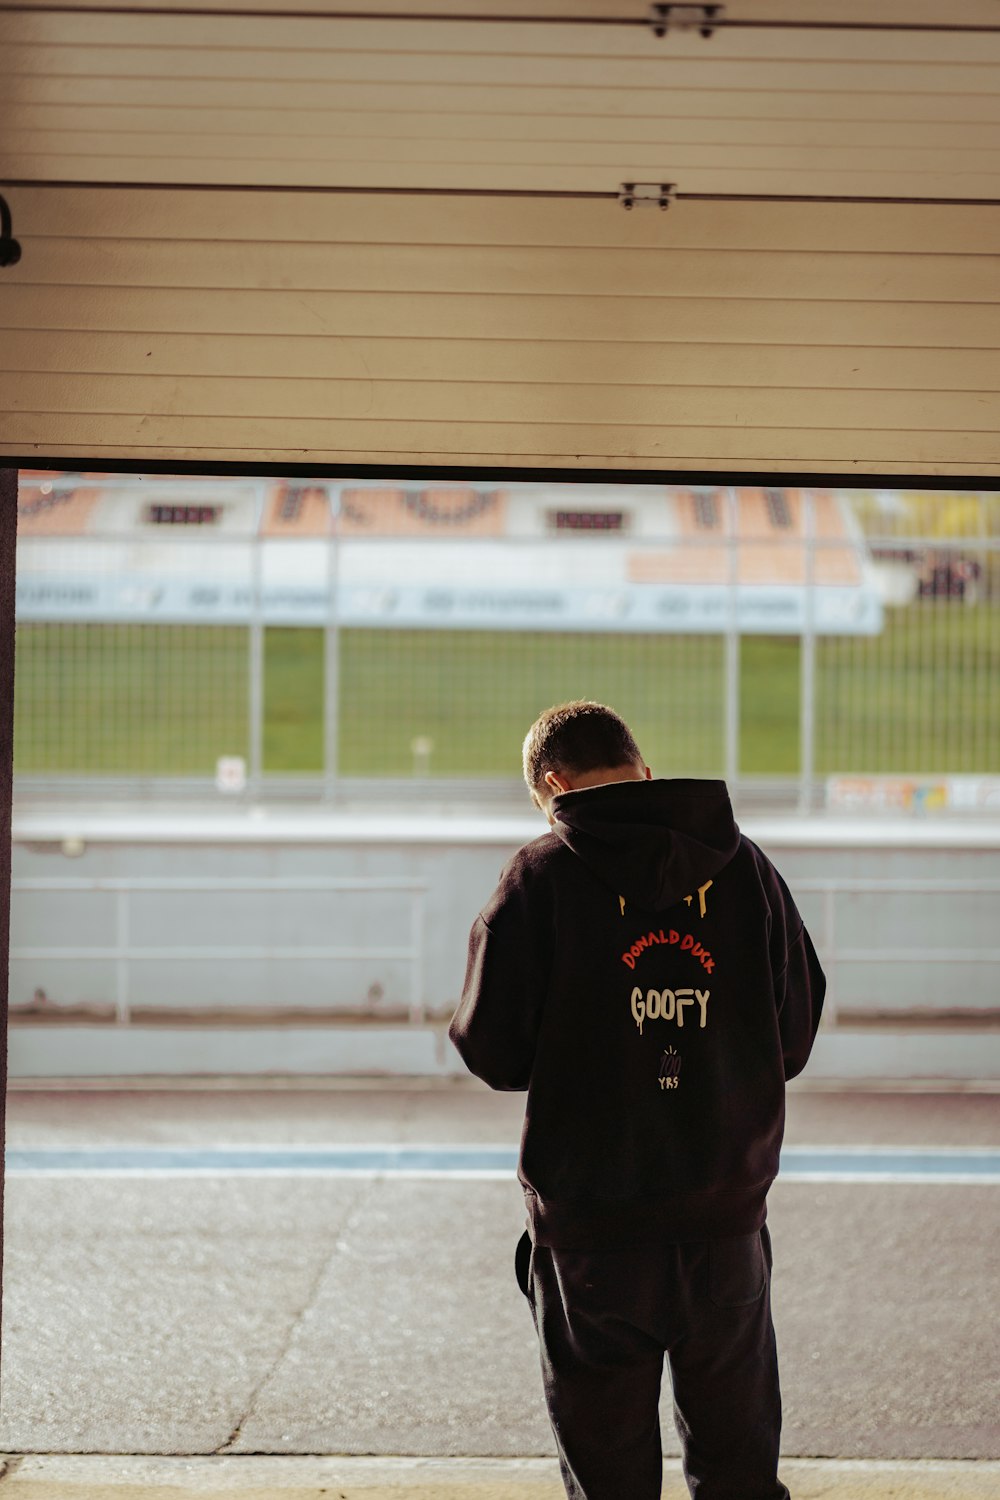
(854, 1163)
(354, 1159)
(916, 1162)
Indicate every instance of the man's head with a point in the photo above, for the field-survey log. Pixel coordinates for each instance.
(576, 745)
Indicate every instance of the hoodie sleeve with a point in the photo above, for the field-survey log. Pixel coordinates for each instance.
(799, 992)
(799, 981)
(496, 1024)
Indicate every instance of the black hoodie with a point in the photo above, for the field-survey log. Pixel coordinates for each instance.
(643, 972)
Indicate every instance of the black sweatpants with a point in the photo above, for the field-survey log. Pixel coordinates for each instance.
(606, 1318)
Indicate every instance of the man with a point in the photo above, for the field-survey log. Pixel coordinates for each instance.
(643, 973)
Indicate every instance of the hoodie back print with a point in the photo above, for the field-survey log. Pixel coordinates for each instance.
(642, 971)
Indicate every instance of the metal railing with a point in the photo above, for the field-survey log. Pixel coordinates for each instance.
(122, 951)
(826, 946)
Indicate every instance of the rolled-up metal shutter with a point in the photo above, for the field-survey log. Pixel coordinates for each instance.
(373, 239)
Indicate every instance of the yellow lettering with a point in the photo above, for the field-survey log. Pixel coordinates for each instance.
(701, 897)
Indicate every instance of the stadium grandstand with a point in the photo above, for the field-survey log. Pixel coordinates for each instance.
(670, 558)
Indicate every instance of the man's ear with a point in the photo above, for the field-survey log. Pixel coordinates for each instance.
(649, 774)
(553, 783)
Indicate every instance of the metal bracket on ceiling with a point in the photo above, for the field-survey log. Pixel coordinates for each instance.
(10, 250)
(700, 18)
(647, 194)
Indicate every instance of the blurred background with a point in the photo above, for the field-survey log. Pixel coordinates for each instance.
(333, 634)
(267, 745)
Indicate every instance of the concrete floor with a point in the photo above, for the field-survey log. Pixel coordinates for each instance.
(281, 1315)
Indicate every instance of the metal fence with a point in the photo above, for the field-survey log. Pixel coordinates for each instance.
(296, 666)
(864, 928)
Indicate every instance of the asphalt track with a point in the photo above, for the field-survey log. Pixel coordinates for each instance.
(327, 1272)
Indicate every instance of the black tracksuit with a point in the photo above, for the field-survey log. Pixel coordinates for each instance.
(642, 971)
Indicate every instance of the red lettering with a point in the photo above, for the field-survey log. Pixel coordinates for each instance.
(671, 936)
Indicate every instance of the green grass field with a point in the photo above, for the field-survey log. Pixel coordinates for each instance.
(924, 696)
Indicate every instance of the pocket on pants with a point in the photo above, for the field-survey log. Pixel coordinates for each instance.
(522, 1263)
(736, 1270)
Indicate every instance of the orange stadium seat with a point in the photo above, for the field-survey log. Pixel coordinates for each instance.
(49, 504)
(422, 512)
(297, 509)
(771, 547)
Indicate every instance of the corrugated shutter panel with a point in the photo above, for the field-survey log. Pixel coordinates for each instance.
(302, 260)
(416, 329)
(354, 101)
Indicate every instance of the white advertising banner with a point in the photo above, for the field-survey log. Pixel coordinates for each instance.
(495, 585)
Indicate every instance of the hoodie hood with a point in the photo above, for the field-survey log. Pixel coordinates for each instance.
(653, 842)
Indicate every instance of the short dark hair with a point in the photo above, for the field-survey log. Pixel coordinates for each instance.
(576, 737)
